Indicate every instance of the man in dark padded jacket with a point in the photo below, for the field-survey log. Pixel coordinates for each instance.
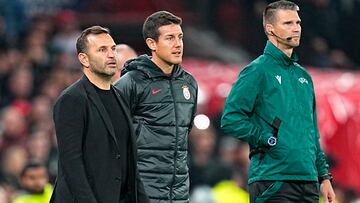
(162, 98)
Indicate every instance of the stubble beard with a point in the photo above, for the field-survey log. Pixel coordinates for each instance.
(294, 44)
(101, 72)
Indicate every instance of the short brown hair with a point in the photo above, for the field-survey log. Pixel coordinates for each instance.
(269, 12)
(156, 20)
(81, 43)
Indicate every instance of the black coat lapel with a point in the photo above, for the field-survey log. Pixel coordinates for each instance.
(94, 97)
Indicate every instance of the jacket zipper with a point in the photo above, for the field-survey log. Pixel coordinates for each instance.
(176, 140)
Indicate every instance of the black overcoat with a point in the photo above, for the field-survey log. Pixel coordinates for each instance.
(89, 159)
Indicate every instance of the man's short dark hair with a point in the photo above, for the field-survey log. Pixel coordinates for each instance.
(269, 12)
(31, 165)
(82, 41)
(156, 20)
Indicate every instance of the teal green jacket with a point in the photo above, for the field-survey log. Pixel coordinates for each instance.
(271, 87)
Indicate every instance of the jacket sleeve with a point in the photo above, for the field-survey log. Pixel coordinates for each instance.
(126, 87)
(321, 164)
(195, 105)
(142, 196)
(239, 107)
(70, 122)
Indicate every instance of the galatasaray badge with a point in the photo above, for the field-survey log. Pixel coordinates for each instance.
(186, 92)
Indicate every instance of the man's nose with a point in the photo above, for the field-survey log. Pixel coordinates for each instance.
(178, 42)
(111, 53)
(297, 28)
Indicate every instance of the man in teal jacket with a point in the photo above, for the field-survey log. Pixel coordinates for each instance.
(272, 107)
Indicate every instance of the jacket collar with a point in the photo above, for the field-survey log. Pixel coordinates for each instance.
(280, 56)
(143, 63)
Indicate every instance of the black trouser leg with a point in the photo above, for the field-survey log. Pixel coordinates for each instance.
(284, 192)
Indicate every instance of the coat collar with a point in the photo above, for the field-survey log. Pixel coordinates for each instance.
(280, 56)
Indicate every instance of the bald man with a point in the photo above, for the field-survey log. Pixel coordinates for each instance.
(123, 53)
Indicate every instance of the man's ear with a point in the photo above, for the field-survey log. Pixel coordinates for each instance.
(84, 59)
(151, 43)
(269, 29)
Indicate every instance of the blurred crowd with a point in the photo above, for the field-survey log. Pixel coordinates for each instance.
(38, 60)
(32, 75)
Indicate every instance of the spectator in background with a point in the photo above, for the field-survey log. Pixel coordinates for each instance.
(204, 167)
(213, 179)
(35, 48)
(34, 181)
(6, 193)
(227, 190)
(39, 146)
(14, 19)
(272, 107)
(40, 114)
(123, 53)
(162, 98)
(340, 60)
(20, 88)
(236, 154)
(68, 30)
(14, 128)
(13, 161)
(320, 53)
(58, 80)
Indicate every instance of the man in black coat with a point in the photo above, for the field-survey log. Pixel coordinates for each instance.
(97, 150)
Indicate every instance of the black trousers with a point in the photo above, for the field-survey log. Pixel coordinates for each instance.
(284, 192)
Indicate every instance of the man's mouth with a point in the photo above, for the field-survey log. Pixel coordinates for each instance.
(111, 63)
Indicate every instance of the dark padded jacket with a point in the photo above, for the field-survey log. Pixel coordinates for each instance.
(163, 109)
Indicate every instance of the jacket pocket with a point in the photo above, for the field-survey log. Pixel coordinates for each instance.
(268, 124)
(267, 190)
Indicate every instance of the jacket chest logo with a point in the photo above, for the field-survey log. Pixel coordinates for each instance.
(303, 80)
(278, 78)
(186, 92)
(155, 91)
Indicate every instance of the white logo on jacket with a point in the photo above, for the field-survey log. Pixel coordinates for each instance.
(303, 80)
(278, 77)
(186, 92)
